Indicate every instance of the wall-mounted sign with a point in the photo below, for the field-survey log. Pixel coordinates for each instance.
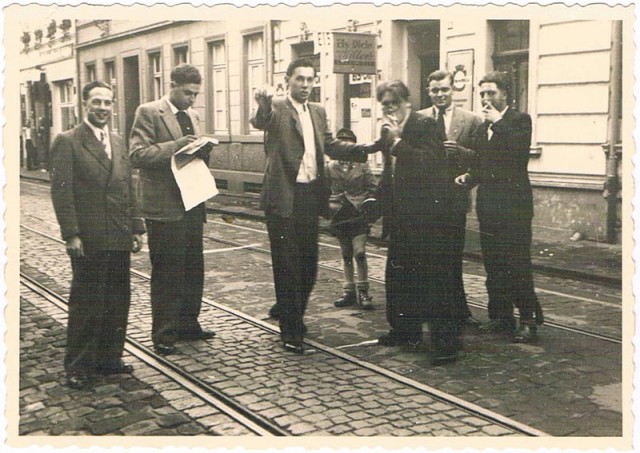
(460, 64)
(354, 53)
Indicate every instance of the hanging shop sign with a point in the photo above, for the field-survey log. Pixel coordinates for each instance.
(354, 53)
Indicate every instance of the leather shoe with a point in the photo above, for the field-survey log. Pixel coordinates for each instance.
(78, 381)
(472, 322)
(164, 348)
(526, 333)
(274, 312)
(195, 336)
(393, 338)
(348, 298)
(294, 346)
(124, 368)
(502, 325)
(443, 358)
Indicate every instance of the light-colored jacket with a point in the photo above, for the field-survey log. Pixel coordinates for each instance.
(152, 143)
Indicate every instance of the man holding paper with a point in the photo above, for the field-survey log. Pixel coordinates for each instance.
(161, 129)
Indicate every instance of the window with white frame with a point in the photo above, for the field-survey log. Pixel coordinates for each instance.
(90, 72)
(254, 51)
(110, 79)
(67, 105)
(219, 86)
(155, 73)
(180, 55)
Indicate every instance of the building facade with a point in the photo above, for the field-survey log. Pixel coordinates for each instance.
(48, 102)
(566, 75)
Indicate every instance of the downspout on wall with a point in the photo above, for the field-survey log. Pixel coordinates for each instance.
(612, 150)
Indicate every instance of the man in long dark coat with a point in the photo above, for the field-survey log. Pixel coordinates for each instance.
(420, 219)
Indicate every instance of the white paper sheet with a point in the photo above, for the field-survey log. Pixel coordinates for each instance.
(194, 179)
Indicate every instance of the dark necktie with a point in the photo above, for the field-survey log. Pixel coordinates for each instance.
(185, 122)
(440, 127)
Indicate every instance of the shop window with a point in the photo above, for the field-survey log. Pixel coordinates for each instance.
(218, 79)
(254, 59)
(511, 55)
(67, 105)
(110, 79)
(155, 73)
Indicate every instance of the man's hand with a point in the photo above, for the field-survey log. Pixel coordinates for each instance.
(74, 246)
(263, 97)
(184, 141)
(451, 149)
(490, 113)
(137, 243)
(203, 152)
(463, 179)
(390, 133)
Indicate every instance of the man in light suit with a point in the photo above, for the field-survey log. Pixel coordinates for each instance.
(504, 204)
(456, 128)
(94, 202)
(295, 191)
(159, 130)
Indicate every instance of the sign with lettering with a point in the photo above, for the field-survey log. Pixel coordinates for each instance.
(354, 53)
(460, 64)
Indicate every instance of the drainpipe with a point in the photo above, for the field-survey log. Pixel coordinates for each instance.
(612, 182)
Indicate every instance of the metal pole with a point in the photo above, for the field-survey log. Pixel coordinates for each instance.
(612, 182)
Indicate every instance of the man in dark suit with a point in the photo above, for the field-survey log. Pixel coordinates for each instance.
(159, 130)
(504, 204)
(95, 206)
(295, 191)
(419, 207)
(456, 128)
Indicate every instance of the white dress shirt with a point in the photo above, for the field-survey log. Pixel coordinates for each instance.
(102, 135)
(308, 171)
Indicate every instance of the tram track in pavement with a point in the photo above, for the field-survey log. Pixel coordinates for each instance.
(555, 325)
(245, 416)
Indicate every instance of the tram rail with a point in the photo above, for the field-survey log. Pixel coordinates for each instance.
(235, 410)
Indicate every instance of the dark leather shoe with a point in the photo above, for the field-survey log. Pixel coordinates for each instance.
(393, 338)
(274, 312)
(124, 368)
(293, 346)
(472, 322)
(164, 348)
(78, 381)
(365, 301)
(443, 358)
(195, 336)
(347, 299)
(526, 333)
(503, 325)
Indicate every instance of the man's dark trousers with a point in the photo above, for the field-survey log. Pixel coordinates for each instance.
(99, 301)
(294, 254)
(177, 275)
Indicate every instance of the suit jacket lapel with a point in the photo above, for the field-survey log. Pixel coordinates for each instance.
(456, 126)
(116, 157)
(94, 147)
(170, 120)
(295, 118)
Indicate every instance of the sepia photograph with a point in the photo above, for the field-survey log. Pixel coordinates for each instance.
(336, 225)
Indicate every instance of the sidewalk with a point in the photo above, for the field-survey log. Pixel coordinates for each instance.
(581, 259)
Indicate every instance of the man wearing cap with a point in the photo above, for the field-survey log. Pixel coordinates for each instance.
(456, 128)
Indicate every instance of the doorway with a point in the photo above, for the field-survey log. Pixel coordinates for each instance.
(423, 57)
